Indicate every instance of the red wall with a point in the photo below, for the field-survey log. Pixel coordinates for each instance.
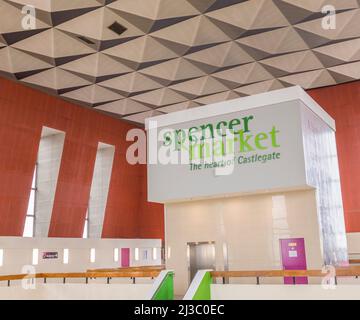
(23, 112)
(342, 102)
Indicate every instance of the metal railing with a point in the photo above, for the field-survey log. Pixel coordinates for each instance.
(150, 273)
(294, 274)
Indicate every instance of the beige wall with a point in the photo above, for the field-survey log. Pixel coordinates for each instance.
(249, 227)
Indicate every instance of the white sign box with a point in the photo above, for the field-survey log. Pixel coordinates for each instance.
(242, 146)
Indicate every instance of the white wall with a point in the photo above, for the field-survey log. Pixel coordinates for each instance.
(248, 228)
(78, 292)
(284, 292)
(18, 253)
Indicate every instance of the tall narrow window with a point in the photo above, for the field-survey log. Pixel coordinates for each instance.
(49, 159)
(86, 226)
(30, 214)
(100, 189)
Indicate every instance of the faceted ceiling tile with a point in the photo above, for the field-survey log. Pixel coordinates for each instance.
(315, 35)
(222, 55)
(174, 70)
(5, 61)
(339, 53)
(140, 117)
(160, 97)
(248, 73)
(97, 65)
(179, 106)
(251, 15)
(11, 20)
(142, 50)
(131, 83)
(260, 87)
(93, 95)
(292, 63)
(195, 32)
(310, 79)
(346, 72)
(95, 25)
(61, 5)
(200, 86)
(123, 107)
(56, 79)
(274, 42)
(218, 97)
(54, 44)
(44, 5)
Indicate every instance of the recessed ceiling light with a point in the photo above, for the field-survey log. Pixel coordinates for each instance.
(117, 28)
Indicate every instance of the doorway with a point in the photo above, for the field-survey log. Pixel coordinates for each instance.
(201, 255)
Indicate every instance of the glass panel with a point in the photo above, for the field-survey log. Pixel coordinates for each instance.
(33, 185)
(31, 205)
(29, 227)
(85, 233)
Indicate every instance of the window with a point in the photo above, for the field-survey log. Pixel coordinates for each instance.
(30, 214)
(66, 256)
(35, 257)
(86, 226)
(92, 255)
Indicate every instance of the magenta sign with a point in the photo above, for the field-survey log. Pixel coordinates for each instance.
(125, 257)
(293, 257)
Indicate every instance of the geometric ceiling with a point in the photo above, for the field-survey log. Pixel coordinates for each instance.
(139, 58)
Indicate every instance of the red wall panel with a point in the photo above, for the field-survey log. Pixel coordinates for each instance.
(23, 113)
(342, 102)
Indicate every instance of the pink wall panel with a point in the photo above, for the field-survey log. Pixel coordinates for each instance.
(23, 112)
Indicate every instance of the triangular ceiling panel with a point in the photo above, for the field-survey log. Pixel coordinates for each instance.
(97, 65)
(218, 97)
(346, 72)
(140, 117)
(279, 41)
(131, 83)
(200, 86)
(156, 98)
(174, 70)
(179, 106)
(339, 53)
(142, 50)
(310, 79)
(56, 79)
(251, 15)
(260, 87)
(54, 44)
(294, 62)
(222, 55)
(123, 107)
(93, 95)
(194, 32)
(248, 73)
